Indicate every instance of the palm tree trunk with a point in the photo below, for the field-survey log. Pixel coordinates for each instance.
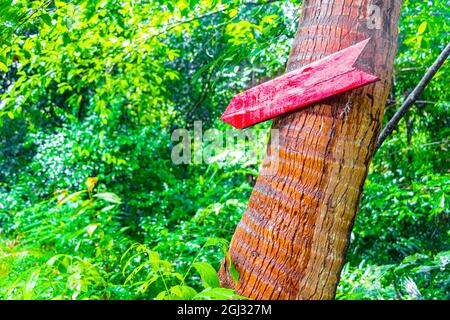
(292, 239)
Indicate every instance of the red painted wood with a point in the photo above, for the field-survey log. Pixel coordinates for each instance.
(321, 79)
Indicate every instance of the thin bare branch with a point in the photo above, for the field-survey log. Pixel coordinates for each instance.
(411, 99)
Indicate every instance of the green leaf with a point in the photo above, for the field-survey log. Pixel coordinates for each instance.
(232, 269)
(178, 293)
(66, 38)
(222, 243)
(3, 67)
(109, 197)
(46, 18)
(422, 27)
(442, 203)
(207, 274)
(422, 269)
(233, 12)
(107, 208)
(162, 295)
(72, 197)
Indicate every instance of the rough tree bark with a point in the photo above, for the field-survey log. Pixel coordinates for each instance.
(293, 236)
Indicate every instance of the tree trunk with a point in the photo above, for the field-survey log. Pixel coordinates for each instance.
(292, 239)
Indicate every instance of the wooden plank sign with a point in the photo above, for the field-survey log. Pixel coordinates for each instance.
(321, 79)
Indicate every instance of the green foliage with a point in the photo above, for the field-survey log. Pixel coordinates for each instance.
(417, 277)
(173, 285)
(65, 248)
(92, 207)
(103, 264)
(404, 213)
(15, 15)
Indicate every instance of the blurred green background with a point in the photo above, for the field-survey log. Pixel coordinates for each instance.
(91, 205)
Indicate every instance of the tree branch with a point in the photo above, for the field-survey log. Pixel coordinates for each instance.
(211, 13)
(411, 99)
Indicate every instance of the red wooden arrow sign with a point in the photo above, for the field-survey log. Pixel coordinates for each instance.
(321, 79)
